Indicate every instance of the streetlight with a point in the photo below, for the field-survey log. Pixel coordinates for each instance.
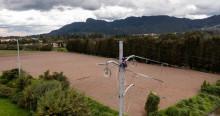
(18, 59)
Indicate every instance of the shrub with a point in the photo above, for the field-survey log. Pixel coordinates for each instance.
(205, 84)
(172, 111)
(34, 47)
(11, 79)
(62, 103)
(175, 111)
(39, 47)
(3, 47)
(9, 47)
(152, 103)
(12, 47)
(61, 49)
(211, 89)
(6, 91)
(23, 82)
(32, 93)
(47, 47)
(55, 76)
(16, 98)
(46, 76)
(218, 83)
(9, 75)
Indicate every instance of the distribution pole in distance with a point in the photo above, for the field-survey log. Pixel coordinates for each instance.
(18, 59)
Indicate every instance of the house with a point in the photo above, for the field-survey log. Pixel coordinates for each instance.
(59, 44)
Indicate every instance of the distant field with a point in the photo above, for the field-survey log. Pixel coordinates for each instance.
(14, 52)
(9, 109)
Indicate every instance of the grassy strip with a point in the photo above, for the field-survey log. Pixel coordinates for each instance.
(9, 109)
(13, 52)
(98, 109)
(60, 49)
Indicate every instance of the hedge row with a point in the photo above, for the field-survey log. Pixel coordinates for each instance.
(194, 50)
(34, 47)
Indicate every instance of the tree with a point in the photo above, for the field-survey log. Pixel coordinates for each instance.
(152, 103)
(60, 102)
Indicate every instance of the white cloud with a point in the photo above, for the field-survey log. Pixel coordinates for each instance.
(113, 12)
(196, 16)
(36, 22)
(45, 15)
(5, 32)
(52, 17)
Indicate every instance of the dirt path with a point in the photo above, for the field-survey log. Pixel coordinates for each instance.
(179, 84)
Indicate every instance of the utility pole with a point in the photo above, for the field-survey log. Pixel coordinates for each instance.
(121, 79)
(122, 65)
(18, 59)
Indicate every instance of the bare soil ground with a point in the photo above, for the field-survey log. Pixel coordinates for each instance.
(87, 77)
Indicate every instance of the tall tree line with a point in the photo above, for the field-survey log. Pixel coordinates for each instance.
(195, 50)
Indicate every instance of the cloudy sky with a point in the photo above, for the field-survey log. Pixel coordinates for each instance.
(25, 17)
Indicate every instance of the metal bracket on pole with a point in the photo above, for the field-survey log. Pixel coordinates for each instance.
(126, 90)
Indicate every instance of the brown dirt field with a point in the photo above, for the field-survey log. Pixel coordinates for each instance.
(179, 84)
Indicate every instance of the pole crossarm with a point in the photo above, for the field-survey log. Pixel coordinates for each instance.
(147, 59)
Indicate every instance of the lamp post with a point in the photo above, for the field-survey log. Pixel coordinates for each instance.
(18, 59)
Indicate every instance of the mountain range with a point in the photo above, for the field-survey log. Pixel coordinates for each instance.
(139, 25)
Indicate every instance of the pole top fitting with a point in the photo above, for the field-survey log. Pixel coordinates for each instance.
(124, 63)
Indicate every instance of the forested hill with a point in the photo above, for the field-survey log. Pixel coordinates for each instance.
(139, 25)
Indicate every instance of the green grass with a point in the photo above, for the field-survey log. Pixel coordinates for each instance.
(14, 52)
(60, 49)
(9, 109)
(99, 109)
